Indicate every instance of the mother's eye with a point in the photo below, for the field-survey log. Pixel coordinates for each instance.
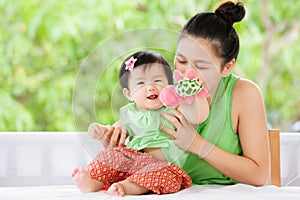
(180, 60)
(201, 66)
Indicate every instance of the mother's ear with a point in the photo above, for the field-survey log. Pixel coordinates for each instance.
(228, 68)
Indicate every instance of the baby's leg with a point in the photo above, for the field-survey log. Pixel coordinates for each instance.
(84, 182)
(126, 188)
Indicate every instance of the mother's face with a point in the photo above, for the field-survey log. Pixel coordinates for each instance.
(199, 55)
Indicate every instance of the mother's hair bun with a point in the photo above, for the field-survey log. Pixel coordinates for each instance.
(231, 12)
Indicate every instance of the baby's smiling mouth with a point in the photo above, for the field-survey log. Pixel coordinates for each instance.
(152, 97)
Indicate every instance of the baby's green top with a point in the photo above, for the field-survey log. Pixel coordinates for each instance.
(144, 132)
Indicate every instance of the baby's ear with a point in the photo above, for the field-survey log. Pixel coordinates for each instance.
(177, 75)
(126, 93)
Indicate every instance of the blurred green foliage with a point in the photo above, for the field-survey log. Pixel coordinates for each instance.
(44, 45)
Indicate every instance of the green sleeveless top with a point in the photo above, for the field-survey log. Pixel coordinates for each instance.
(217, 129)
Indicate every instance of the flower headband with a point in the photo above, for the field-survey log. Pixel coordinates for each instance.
(130, 63)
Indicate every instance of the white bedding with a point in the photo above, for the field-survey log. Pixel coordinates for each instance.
(207, 192)
(37, 166)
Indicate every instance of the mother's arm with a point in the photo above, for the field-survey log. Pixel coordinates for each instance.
(249, 121)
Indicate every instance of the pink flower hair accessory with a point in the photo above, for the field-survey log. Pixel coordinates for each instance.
(130, 63)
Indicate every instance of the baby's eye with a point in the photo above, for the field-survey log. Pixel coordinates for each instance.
(158, 80)
(141, 83)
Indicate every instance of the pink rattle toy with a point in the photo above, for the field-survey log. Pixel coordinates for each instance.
(184, 89)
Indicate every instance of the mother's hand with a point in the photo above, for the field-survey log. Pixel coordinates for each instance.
(185, 135)
(110, 136)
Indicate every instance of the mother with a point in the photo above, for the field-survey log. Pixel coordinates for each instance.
(232, 144)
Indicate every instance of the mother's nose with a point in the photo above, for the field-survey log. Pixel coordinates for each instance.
(184, 68)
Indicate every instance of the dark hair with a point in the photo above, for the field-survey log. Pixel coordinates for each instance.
(217, 27)
(145, 59)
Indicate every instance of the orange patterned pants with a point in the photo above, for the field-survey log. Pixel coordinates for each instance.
(120, 163)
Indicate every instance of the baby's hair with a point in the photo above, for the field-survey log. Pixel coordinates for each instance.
(217, 28)
(145, 59)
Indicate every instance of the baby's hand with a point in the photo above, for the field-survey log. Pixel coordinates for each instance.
(110, 136)
(96, 131)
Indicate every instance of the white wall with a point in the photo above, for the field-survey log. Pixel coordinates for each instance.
(43, 158)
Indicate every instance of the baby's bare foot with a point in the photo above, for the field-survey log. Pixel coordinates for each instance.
(84, 182)
(75, 171)
(126, 187)
(116, 189)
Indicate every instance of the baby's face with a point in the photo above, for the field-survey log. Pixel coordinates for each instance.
(145, 85)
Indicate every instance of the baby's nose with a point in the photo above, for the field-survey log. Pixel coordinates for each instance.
(150, 87)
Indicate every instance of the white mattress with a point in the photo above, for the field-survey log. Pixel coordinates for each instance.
(37, 166)
(206, 192)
